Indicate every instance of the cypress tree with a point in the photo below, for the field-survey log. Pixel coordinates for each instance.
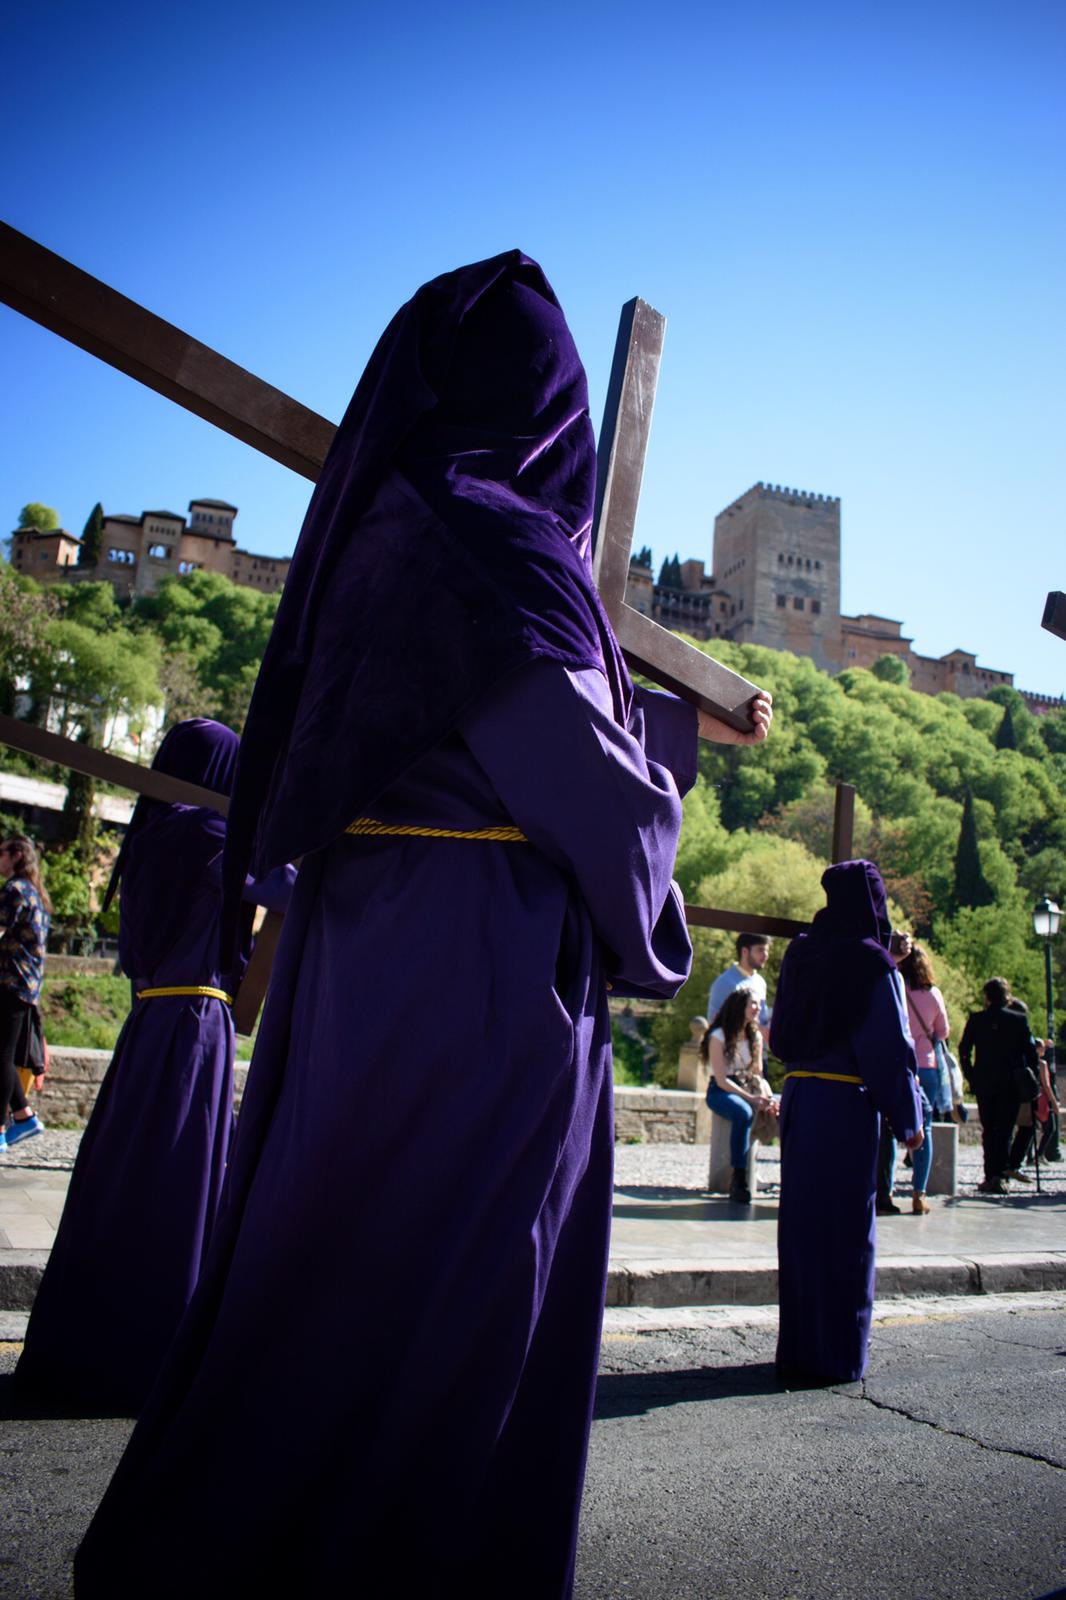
(92, 540)
(971, 886)
(1006, 738)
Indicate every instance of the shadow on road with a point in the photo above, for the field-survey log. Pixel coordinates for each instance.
(16, 1406)
(633, 1394)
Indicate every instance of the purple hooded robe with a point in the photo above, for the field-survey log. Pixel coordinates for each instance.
(839, 1012)
(385, 1380)
(146, 1184)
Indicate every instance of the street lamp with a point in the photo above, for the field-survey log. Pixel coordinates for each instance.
(1046, 917)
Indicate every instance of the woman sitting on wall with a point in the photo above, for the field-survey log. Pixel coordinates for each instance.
(738, 1091)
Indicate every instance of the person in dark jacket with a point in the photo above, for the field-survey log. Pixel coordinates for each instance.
(995, 1043)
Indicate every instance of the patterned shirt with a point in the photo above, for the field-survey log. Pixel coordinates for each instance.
(23, 931)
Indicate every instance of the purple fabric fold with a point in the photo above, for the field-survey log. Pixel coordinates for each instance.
(446, 544)
(827, 974)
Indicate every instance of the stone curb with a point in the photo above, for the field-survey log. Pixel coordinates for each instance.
(686, 1283)
(689, 1283)
(21, 1272)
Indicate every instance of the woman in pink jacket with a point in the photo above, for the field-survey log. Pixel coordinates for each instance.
(928, 1018)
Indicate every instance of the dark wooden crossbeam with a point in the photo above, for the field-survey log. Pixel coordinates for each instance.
(1054, 618)
(88, 313)
(622, 450)
(743, 922)
(844, 823)
(99, 764)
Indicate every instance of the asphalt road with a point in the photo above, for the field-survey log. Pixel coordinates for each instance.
(943, 1477)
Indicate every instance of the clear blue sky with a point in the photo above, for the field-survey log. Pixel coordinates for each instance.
(852, 216)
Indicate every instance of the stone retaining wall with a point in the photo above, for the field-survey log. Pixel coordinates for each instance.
(649, 1116)
(79, 966)
(73, 1081)
(661, 1116)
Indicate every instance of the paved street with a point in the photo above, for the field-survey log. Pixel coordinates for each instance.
(943, 1477)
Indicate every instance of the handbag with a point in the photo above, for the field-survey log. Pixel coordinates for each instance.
(1024, 1082)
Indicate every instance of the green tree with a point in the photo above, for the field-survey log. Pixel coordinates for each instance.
(92, 539)
(774, 876)
(86, 679)
(91, 604)
(891, 669)
(35, 515)
(971, 888)
(1006, 739)
(23, 618)
(220, 627)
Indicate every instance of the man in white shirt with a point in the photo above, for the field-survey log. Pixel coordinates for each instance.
(753, 952)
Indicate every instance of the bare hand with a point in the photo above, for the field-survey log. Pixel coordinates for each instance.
(917, 1141)
(718, 732)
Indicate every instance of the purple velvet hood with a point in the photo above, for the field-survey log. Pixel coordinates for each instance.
(168, 848)
(446, 543)
(199, 751)
(828, 973)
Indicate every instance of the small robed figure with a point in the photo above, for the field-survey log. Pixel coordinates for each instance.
(146, 1185)
(384, 1383)
(840, 1026)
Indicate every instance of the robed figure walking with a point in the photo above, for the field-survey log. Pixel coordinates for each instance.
(840, 1026)
(146, 1185)
(385, 1381)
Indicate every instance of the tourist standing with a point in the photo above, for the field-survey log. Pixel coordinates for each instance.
(928, 1018)
(997, 1053)
(840, 1026)
(753, 952)
(25, 914)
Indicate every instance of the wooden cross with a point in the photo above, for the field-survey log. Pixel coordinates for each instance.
(623, 446)
(89, 313)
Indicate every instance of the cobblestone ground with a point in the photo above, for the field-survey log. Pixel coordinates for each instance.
(640, 1166)
(684, 1166)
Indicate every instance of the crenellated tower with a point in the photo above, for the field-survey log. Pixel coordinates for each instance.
(777, 555)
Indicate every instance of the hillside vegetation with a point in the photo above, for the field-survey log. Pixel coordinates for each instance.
(962, 803)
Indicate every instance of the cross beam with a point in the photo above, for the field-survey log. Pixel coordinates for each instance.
(92, 315)
(623, 445)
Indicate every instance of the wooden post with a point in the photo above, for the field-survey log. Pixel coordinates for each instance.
(844, 823)
(620, 455)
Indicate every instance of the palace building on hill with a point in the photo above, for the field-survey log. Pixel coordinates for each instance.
(776, 582)
(137, 553)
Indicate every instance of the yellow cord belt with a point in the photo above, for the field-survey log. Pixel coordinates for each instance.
(830, 1077)
(186, 988)
(364, 827)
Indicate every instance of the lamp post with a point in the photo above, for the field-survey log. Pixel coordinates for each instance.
(1046, 917)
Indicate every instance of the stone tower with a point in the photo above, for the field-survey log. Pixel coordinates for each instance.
(777, 556)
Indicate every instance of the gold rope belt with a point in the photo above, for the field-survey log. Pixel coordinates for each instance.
(830, 1077)
(364, 827)
(186, 988)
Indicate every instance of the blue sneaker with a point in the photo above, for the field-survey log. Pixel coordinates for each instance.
(3, 1143)
(23, 1130)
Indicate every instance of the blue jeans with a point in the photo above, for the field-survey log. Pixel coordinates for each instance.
(937, 1085)
(739, 1115)
(922, 1160)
